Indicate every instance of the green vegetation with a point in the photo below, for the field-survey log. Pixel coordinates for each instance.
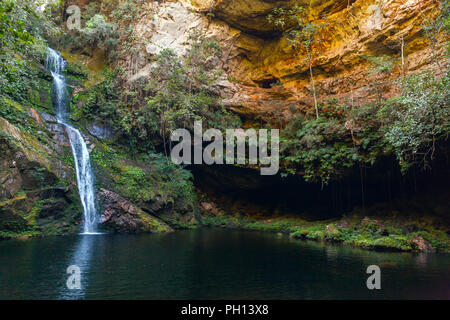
(49, 216)
(177, 92)
(153, 225)
(97, 33)
(409, 127)
(366, 233)
(436, 25)
(98, 103)
(24, 90)
(417, 120)
(22, 44)
(144, 177)
(142, 114)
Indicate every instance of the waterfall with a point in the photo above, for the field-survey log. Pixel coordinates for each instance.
(85, 177)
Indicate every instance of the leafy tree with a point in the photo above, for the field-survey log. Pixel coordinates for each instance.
(12, 31)
(97, 33)
(322, 147)
(180, 90)
(416, 120)
(100, 33)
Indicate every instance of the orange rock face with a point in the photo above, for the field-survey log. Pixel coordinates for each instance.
(272, 79)
(265, 78)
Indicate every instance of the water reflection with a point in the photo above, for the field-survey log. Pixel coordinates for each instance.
(422, 260)
(213, 264)
(81, 258)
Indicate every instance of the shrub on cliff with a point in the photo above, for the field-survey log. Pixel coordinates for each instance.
(417, 120)
(411, 127)
(100, 33)
(96, 33)
(177, 91)
(180, 90)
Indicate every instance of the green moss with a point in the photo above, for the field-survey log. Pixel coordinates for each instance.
(32, 215)
(269, 225)
(395, 242)
(368, 235)
(143, 178)
(67, 157)
(299, 234)
(14, 235)
(215, 221)
(315, 235)
(76, 70)
(437, 238)
(133, 183)
(153, 225)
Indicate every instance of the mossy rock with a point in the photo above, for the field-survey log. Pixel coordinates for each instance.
(299, 234)
(400, 243)
(53, 211)
(315, 235)
(332, 233)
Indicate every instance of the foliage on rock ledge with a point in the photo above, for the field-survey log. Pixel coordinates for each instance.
(177, 92)
(411, 127)
(369, 233)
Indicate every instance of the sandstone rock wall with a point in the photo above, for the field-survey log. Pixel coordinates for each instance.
(264, 75)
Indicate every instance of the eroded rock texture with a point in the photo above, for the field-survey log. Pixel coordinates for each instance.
(264, 77)
(120, 215)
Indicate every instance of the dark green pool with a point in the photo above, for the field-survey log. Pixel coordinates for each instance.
(212, 264)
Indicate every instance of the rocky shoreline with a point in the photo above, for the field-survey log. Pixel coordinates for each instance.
(366, 233)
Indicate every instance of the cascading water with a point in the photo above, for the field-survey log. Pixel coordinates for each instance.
(85, 177)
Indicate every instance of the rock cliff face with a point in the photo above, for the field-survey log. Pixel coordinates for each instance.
(264, 74)
(37, 195)
(120, 215)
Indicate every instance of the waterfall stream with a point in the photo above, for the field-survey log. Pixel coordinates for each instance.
(85, 177)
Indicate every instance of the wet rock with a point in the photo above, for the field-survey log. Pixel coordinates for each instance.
(33, 113)
(11, 183)
(48, 118)
(100, 131)
(53, 208)
(30, 169)
(122, 216)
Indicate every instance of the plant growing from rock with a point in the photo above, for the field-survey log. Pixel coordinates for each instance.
(437, 26)
(303, 36)
(381, 66)
(180, 90)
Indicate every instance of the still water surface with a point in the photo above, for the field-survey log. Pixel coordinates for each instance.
(212, 264)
